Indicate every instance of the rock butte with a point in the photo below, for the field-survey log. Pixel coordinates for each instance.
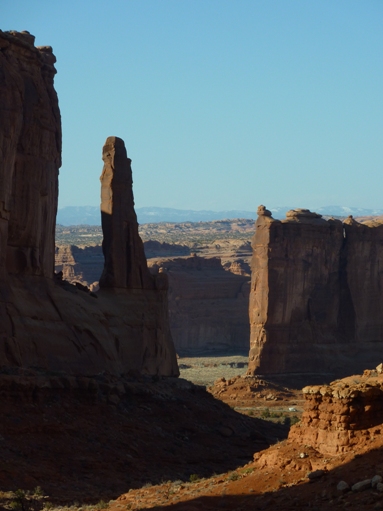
(45, 322)
(315, 300)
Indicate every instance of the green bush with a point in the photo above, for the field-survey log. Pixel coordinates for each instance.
(266, 413)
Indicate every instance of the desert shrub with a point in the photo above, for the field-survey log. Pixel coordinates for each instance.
(289, 421)
(265, 413)
(101, 505)
(194, 478)
(294, 419)
(234, 476)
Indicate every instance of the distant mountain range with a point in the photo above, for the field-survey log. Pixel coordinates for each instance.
(90, 215)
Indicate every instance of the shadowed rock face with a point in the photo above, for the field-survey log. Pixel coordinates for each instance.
(315, 301)
(30, 148)
(207, 304)
(45, 322)
(125, 262)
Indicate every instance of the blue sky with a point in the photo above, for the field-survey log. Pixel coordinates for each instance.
(222, 104)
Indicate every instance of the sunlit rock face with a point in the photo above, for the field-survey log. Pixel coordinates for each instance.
(315, 300)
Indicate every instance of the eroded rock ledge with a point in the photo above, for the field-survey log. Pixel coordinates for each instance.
(346, 413)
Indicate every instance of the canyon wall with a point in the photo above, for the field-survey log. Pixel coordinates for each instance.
(46, 322)
(85, 264)
(315, 301)
(208, 301)
(207, 304)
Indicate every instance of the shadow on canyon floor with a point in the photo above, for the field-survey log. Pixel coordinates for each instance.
(96, 443)
(289, 492)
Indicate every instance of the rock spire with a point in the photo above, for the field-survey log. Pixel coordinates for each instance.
(125, 262)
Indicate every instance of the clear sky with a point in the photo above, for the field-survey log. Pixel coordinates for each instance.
(223, 104)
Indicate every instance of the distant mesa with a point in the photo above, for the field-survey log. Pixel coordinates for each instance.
(90, 215)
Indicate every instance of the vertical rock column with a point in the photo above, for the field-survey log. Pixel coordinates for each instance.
(295, 318)
(30, 150)
(125, 262)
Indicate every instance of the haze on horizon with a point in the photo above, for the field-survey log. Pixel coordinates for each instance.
(222, 105)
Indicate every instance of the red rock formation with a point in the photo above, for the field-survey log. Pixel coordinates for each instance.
(30, 148)
(85, 264)
(157, 249)
(207, 304)
(79, 264)
(44, 322)
(339, 416)
(125, 262)
(315, 295)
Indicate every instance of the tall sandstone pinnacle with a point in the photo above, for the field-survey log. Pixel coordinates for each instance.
(47, 323)
(316, 295)
(125, 261)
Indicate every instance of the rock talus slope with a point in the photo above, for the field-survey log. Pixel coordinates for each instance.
(45, 322)
(314, 301)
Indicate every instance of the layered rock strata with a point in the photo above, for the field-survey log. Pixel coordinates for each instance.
(79, 264)
(339, 416)
(85, 264)
(315, 301)
(207, 304)
(46, 322)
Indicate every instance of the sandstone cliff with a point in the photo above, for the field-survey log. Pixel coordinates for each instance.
(207, 304)
(45, 322)
(30, 148)
(315, 295)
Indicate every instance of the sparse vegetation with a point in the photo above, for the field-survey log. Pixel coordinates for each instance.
(290, 421)
(266, 414)
(22, 500)
(194, 478)
(101, 505)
